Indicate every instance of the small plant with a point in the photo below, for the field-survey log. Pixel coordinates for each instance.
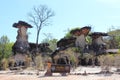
(117, 62)
(27, 60)
(106, 61)
(39, 62)
(73, 56)
(4, 63)
(11, 62)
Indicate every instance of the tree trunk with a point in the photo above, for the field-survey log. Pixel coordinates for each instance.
(38, 32)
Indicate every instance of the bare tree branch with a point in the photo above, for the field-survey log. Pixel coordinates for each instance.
(40, 18)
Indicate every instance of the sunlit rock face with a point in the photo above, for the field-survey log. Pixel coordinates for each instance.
(81, 42)
(21, 45)
(97, 38)
(59, 56)
(98, 44)
(66, 42)
(98, 41)
(80, 35)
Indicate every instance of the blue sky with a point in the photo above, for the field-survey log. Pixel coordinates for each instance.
(100, 14)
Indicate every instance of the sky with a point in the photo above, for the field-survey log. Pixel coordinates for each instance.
(101, 15)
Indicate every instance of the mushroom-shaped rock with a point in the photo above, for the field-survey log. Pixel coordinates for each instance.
(75, 32)
(85, 30)
(78, 31)
(22, 23)
(98, 34)
(98, 44)
(21, 45)
(66, 42)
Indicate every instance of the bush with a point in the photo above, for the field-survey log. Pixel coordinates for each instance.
(39, 62)
(27, 60)
(4, 63)
(73, 56)
(11, 62)
(117, 61)
(106, 61)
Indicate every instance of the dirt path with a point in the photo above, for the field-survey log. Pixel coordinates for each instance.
(58, 77)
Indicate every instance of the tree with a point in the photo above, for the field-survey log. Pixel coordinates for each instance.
(48, 37)
(114, 39)
(40, 18)
(5, 51)
(5, 47)
(4, 40)
(52, 41)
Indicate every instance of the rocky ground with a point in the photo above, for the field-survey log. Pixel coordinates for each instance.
(77, 74)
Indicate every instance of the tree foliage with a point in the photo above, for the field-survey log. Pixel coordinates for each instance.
(5, 47)
(114, 38)
(52, 41)
(5, 51)
(67, 35)
(53, 45)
